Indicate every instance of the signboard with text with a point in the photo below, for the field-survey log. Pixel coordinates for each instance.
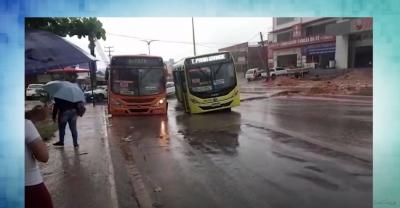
(303, 41)
(137, 61)
(207, 59)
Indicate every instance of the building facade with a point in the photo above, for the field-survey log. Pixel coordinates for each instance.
(247, 56)
(354, 42)
(240, 55)
(309, 42)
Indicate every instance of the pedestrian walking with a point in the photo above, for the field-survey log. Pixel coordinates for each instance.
(36, 193)
(65, 112)
(68, 104)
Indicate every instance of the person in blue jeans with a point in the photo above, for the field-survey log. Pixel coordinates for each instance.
(66, 113)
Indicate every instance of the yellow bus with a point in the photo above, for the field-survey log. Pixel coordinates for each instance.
(137, 85)
(206, 83)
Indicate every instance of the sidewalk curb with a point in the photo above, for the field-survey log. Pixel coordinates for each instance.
(254, 98)
(278, 93)
(111, 179)
(352, 97)
(339, 98)
(328, 98)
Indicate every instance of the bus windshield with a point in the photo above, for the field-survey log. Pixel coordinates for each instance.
(136, 82)
(212, 79)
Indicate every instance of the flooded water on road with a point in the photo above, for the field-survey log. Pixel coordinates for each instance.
(237, 159)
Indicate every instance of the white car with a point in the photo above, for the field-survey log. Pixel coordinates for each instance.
(253, 74)
(170, 86)
(100, 93)
(275, 72)
(33, 90)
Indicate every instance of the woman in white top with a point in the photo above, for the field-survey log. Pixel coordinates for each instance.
(36, 193)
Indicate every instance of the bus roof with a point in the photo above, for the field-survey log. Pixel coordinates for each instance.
(208, 54)
(137, 55)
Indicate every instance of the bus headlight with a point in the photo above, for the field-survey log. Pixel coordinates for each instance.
(161, 101)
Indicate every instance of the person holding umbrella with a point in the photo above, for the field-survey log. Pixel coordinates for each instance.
(68, 98)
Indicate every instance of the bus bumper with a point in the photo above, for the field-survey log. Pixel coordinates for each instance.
(136, 111)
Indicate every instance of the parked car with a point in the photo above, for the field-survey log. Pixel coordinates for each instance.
(170, 88)
(253, 74)
(275, 72)
(33, 90)
(99, 93)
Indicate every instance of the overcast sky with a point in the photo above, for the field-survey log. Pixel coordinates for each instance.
(174, 35)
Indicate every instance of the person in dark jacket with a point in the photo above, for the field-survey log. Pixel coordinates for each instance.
(67, 113)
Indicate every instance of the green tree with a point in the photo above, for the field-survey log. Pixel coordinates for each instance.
(71, 26)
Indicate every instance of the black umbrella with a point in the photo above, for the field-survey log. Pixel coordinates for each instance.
(45, 50)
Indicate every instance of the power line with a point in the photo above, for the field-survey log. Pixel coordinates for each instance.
(172, 41)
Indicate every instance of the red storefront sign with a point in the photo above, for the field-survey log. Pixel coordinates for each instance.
(303, 41)
(362, 24)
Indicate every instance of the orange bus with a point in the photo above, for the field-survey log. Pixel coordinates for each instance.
(136, 85)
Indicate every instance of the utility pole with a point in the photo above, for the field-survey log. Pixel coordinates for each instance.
(194, 42)
(108, 50)
(148, 43)
(265, 55)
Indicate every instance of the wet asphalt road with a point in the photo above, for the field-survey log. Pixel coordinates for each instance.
(250, 157)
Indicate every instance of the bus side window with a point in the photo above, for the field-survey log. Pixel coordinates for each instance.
(183, 79)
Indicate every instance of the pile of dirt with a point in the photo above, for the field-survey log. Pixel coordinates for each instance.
(284, 81)
(355, 82)
(351, 82)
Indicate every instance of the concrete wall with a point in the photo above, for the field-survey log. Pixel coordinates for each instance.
(342, 51)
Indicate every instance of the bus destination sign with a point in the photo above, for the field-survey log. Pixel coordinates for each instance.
(136, 61)
(206, 59)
